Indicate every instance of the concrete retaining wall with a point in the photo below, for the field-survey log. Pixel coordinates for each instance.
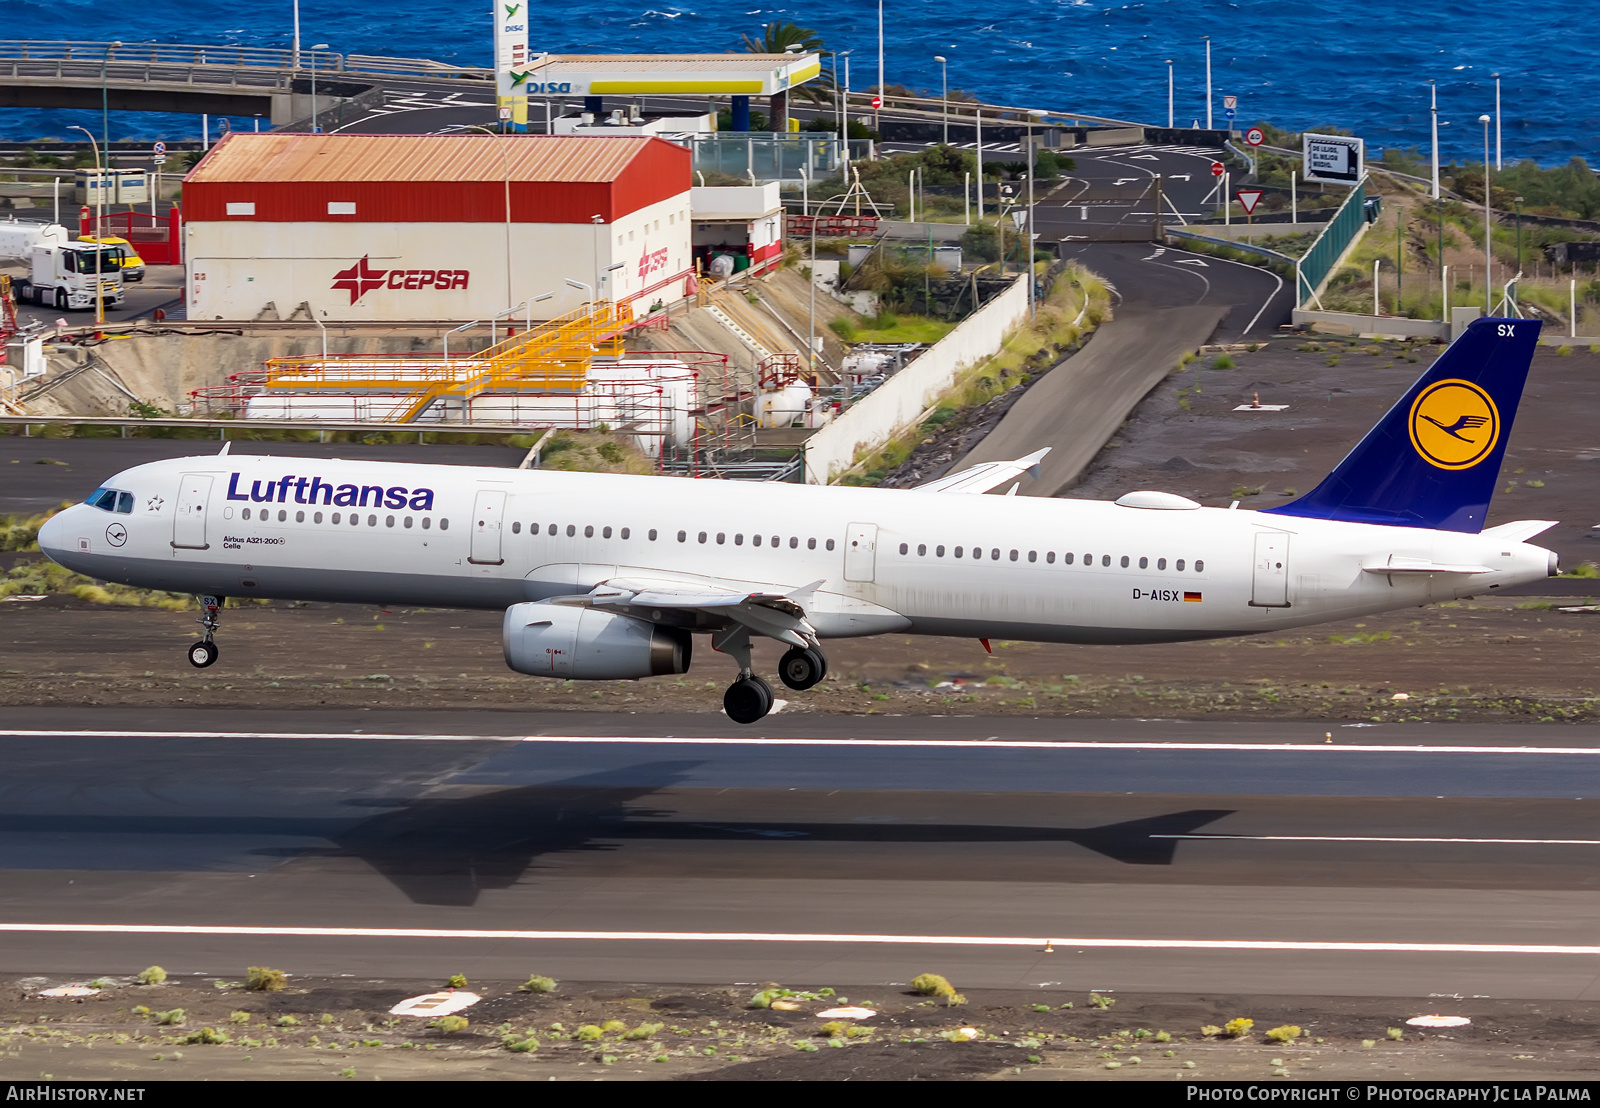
(893, 405)
(1347, 323)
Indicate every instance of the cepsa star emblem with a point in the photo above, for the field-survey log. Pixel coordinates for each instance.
(359, 279)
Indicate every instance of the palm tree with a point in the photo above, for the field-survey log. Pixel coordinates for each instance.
(777, 38)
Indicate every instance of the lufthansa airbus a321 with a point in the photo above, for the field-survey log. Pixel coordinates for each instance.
(604, 576)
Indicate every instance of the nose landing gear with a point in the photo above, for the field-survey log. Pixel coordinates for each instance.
(204, 652)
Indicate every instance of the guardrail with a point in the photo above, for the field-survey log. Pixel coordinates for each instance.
(32, 57)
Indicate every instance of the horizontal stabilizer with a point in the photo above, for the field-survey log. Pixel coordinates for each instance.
(987, 475)
(1522, 530)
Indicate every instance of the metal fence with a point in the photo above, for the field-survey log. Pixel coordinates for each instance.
(1330, 245)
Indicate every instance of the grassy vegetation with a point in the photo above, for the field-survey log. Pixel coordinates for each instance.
(889, 327)
(1074, 305)
(944, 171)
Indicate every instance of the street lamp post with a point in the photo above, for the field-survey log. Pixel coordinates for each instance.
(1169, 94)
(294, 48)
(944, 85)
(105, 112)
(1518, 201)
(1497, 165)
(876, 113)
(1033, 163)
(977, 119)
(1488, 256)
(99, 227)
(1434, 111)
(505, 172)
(319, 46)
(1208, 81)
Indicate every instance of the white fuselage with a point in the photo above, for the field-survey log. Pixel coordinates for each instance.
(1052, 570)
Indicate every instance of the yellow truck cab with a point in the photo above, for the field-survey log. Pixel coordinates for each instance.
(127, 258)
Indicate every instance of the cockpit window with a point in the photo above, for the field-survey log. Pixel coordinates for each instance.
(111, 500)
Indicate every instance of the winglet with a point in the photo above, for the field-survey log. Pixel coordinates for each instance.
(225, 444)
(987, 475)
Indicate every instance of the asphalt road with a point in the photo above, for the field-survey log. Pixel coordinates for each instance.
(1157, 855)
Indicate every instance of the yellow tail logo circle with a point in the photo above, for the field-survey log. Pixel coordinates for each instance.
(1454, 424)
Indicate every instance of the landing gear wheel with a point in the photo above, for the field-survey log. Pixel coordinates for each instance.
(801, 668)
(747, 700)
(202, 653)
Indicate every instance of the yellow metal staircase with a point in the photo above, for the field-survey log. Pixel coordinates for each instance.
(553, 357)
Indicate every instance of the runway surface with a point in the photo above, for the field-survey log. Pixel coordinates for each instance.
(1156, 855)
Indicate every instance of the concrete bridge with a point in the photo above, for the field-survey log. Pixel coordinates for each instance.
(196, 79)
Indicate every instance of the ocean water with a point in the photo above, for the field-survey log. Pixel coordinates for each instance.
(1358, 64)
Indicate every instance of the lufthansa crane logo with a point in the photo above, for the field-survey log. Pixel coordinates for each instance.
(1454, 424)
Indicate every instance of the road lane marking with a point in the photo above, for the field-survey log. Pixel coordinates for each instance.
(1385, 839)
(794, 937)
(1311, 745)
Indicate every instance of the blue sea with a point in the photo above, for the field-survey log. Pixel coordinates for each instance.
(1363, 65)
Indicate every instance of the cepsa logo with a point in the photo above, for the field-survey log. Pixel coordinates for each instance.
(652, 260)
(361, 279)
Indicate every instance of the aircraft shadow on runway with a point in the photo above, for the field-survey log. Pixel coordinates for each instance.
(445, 851)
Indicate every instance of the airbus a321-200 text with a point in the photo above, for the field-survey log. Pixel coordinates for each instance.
(604, 576)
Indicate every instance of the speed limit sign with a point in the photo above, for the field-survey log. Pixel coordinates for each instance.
(1217, 169)
(1254, 136)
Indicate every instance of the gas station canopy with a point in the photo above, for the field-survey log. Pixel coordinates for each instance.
(669, 74)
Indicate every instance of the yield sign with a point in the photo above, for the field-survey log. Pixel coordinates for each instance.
(1248, 199)
(1216, 169)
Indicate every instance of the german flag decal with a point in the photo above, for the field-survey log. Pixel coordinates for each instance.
(1191, 598)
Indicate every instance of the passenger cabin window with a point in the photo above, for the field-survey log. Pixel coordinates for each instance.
(1179, 565)
(624, 533)
(830, 544)
(1161, 563)
(516, 528)
(1199, 566)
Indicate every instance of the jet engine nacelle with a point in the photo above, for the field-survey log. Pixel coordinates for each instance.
(586, 644)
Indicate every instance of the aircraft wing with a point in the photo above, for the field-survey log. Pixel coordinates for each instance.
(986, 475)
(777, 615)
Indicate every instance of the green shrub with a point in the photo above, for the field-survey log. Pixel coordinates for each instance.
(155, 975)
(1395, 1034)
(288, 1021)
(1098, 1001)
(1223, 362)
(264, 979)
(523, 1046)
(931, 984)
(643, 1031)
(450, 1024)
(1210, 1030)
(140, 1010)
(239, 1017)
(457, 981)
(1234, 1028)
(1285, 1034)
(207, 1035)
(588, 1033)
(171, 1018)
(612, 1027)
(537, 984)
(611, 452)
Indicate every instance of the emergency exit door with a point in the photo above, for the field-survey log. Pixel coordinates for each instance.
(488, 512)
(189, 521)
(860, 551)
(1270, 584)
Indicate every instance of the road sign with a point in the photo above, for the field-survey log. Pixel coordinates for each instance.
(1334, 159)
(1248, 199)
(159, 148)
(1230, 102)
(1217, 169)
(877, 102)
(505, 114)
(1254, 136)
(1230, 113)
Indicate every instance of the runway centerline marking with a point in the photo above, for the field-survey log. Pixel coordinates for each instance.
(798, 937)
(1311, 745)
(1384, 839)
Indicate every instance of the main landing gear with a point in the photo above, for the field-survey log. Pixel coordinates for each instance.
(750, 698)
(204, 652)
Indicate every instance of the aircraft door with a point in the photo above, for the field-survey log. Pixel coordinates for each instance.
(189, 522)
(860, 552)
(488, 514)
(1270, 582)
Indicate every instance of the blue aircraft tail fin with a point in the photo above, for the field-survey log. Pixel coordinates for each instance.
(1434, 458)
